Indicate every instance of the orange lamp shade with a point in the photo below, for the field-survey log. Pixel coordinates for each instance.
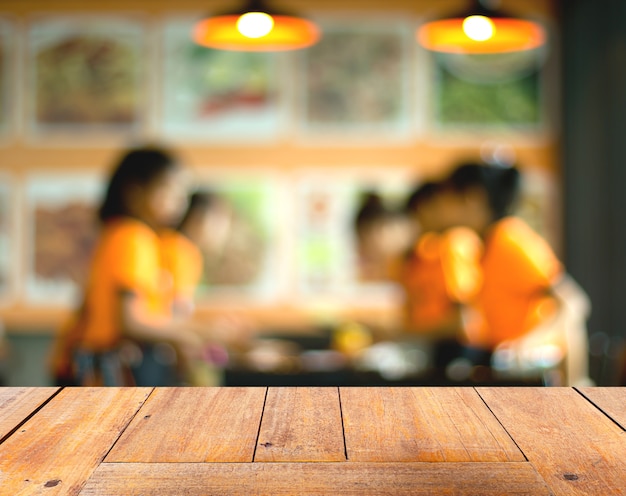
(287, 33)
(504, 35)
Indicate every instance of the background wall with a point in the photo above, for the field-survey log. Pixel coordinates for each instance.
(421, 151)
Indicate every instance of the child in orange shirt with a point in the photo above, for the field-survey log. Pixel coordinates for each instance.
(126, 295)
(525, 290)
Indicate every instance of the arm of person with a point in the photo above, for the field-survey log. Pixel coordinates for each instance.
(575, 308)
(65, 340)
(572, 296)
(141, 325)
(560, 339)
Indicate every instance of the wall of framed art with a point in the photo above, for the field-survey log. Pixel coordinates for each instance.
(291, 139)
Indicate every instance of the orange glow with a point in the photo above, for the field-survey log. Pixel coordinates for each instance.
(509, 35)
(288, 33)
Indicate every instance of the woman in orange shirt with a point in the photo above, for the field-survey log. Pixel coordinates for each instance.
(524, 287)
(127, 295)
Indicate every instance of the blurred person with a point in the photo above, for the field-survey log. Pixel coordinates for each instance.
(204, 228)
(438, 274)
(381, 235)
(203, 231)
(126, 295)
(527, 309)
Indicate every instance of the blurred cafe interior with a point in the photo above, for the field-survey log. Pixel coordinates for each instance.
(286, 192)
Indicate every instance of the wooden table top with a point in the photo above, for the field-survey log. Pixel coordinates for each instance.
(360, 441)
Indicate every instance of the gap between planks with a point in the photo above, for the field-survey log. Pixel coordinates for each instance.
(30, 415)
(256, 441)
(596, 404)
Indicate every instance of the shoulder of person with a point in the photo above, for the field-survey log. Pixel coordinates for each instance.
(132, 229)
(515, 229)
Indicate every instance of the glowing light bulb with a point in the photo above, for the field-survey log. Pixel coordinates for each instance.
(478, 28)
(255, 24)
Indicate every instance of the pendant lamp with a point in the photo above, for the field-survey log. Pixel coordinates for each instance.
(256, 28)
(481, 29)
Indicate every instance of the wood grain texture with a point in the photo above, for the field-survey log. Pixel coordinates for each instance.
(611, 400)
(193, 425)
(422, 424)
(301, 425)
(57, 450)
(16, 404)
(360, 479)
(574, 446)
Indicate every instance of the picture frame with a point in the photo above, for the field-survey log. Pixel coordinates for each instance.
(61, 231)
(86, 77)
(252, 267)
(210, 95)
(356, 85)
(487, 94)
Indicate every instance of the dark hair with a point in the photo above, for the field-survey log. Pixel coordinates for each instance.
(137, 167)
(423, 193)
(371, 209)
(501, 185)
(199, 201)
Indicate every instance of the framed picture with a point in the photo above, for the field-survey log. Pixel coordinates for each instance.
(501, 93)
(336, 254)
(356, 82)
(211, 95)
(62, 229)
(251, 264)
(86, 76)
(7, 49)
(8, 251)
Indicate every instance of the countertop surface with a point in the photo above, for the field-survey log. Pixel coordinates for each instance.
(305, 440)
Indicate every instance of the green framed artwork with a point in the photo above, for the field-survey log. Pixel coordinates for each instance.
(213, 95)
(495, 92)
(86, 75)
(62, 230)
(356, 81)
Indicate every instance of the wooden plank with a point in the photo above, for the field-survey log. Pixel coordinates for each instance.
(611, 400)
(422, 424)
(16, 404)
(360, 479)
(301, 425)
(57, 450)
(193, 425)
(576, 448)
